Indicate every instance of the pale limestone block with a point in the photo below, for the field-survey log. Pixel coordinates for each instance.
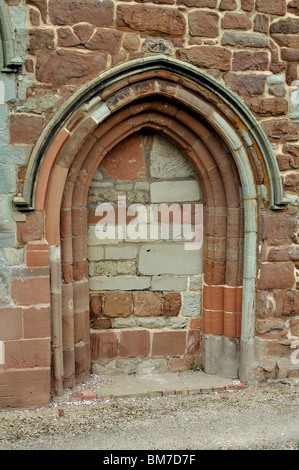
(175, 191)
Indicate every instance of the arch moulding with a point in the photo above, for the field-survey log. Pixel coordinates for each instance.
(233, 160)
(9, 61)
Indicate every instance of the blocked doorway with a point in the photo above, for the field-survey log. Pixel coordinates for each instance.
(231, 158)
(145, 258)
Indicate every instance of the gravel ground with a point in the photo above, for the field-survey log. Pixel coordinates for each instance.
(259, 417)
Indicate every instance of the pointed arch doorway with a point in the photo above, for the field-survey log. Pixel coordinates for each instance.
(232, 159)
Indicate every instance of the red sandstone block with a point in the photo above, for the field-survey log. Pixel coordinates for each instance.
(117, 304)
(25, 129)
(278, 227)
(147, 304)
(126, 161)
(24, 388)
(276, 276)
(10, 323)
(169, 343)
(134, 343)
(37, 245)
(172, 304)
(32, 228)
(27, 354)
(195, 323)
(31, 291)
(104, 345)
(37, 322)
(37, 258)
(82, 362)
(193, 342)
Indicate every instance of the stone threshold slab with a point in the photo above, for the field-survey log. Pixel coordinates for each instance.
(155, 385)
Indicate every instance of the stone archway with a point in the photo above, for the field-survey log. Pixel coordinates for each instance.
(231, 158)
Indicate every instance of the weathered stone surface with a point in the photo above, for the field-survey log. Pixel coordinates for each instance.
(193, 342)
(278, 227)
(246, 85)
(169, 283)
(25, 129)
(245, 60)
(291, 182)
(134, 343)
(64, 12)
(41, 5)
(126, 161)
(275, 7)
(31, 291)
(120, 253)
(119, 283)
(169, 343)
(244, 40)
(115, 268)
(281, 129)
(228, 5)
(131, 42)
(117, 304)
(40, 38)
(285, 26)
(270, 328)
(105, 40)
(147, 304)
(176, 323)
(175, 191)
(83, 32)
(290, 55)
(68, 67)
(31, 229)
(151, 322)
(172, 304)
(276, 276)
(286, 40)
(203, 23)
(261, 23)
(101, 324)
(104, 345)
(289, 253)
(168, 259)
(198, 3)
(149, 19)
(158, 46)
(293, 7)
(95, 306)
(167, 161)
(66, 37)
(191, 305)
(209, 57)
(236, 21)
(247, 5)
(268, 106)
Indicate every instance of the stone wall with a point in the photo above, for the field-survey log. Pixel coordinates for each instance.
(149, 283)
(250, 46)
